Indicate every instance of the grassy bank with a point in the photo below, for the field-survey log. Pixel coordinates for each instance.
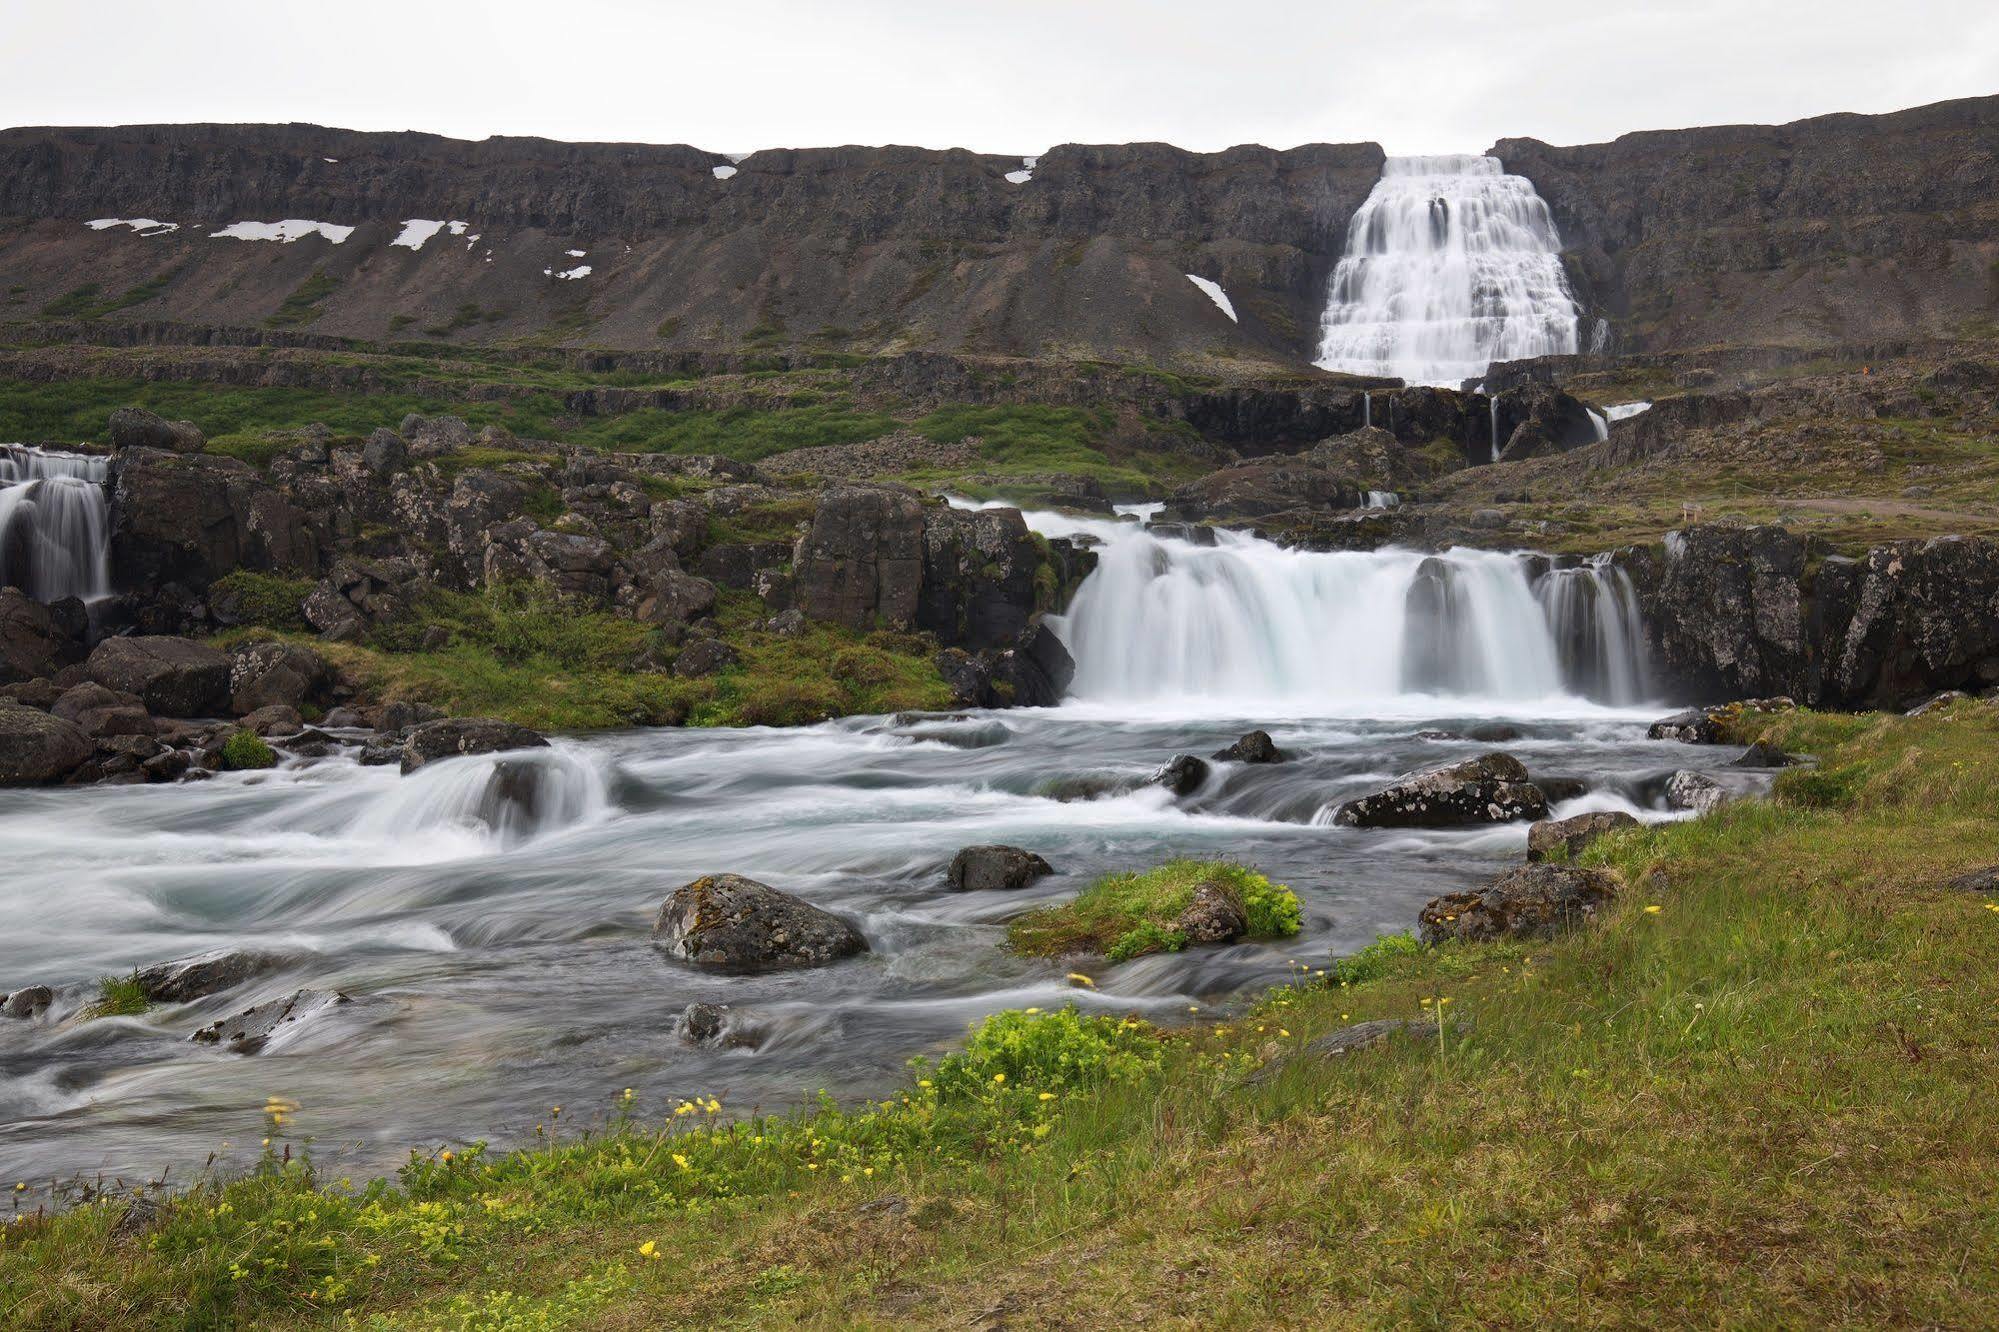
(1757, 1092)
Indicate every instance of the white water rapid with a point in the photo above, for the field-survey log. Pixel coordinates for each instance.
(1450, 264)
(55, 526)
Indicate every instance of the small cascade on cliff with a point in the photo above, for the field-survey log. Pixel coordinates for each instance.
(1450, 264)
(55, 526)
(1244, 623)
(1367, 411)
(1593, 614)
(1598, 424)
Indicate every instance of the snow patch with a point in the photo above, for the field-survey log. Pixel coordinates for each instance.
(1025, 174)
(724, 172)
(145, 226)
(418, 230)
(1217, 295)
(568, 275)
(576, 254)
(1625, 409)
(736, 157)
(285, 232)
(334, 160)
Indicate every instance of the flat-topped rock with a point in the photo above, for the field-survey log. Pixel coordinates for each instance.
(454, 737)
(981, 869)
(1569, 836)
(172, 677)
(1493, 788)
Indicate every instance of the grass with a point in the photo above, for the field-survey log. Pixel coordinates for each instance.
(119, 996)
(1765, 1104)
(265, 601)
(1122, 916)
(245, 751)
(302, 306)
(90, 302)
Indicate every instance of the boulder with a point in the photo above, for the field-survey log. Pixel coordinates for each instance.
(1256, 747)
(1347, 1040)
(1034, 673)
(703, 1024)
(27, 1003)
(979, 869)
(1763, 754)
(455, 736)
(1531, 902)
(979, 573)
(34, 640)
(1183, 775)
(173, 677)
(384, 454)
(1978, 881)
(270, 673)
(703, 657)
(1695, 791)
(861, 562)
(192, 978)
(41, 694)
(194, 519)
(1571, 835)
(254, 1028)
(1696, 726)
(1212, 916)
(1493, 788)
(277, 719)
(725, 922)
(137, 428)
(36, 748)
(672, 597)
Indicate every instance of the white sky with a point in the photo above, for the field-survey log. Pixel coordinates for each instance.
(735, 75)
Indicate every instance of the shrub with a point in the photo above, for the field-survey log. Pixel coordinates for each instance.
(1376, 960)
(245, 751)
(1123, 916)
(1049, 1051)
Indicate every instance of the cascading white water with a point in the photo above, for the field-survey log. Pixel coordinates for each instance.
(1450, 264)
(55, 527)
(1245, 623)
(1598, 424)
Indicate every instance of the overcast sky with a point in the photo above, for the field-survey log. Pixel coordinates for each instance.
(735, 75)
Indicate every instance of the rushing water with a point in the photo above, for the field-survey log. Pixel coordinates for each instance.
(496, 948)
(55, 527)
(1450, 264)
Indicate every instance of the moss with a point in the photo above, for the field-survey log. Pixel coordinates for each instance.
(245, 751)
(1122, 916)
(301, 307)
(266, 601)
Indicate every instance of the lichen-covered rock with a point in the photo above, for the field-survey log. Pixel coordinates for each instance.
(173, 677)
(1569, 836)
(1212, 916)
(455, 736)
(1493, 788)
(1695, 791)
(1255, 747)
(725, 922)
(982, 869)
(270, 673)
(1531, 902)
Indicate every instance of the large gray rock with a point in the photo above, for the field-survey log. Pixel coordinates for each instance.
(1695, 791)
(979, 571)
(1493, 788)
(173, 677)
(726, 922)
(465, 735)
(137, 428)
(35, 640)
(981, 869)
(1531, 902)
(27, 1003)
(1569, 836)
(36, 748)
(861, 562)
(191, 978)
(271, 673)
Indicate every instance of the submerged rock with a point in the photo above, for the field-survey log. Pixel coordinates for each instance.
(1256, 747)
(1182, 775)
(1571, 835)
(249, 1031)
(1493, 788)
(980, 869)
(455, 736)
(725, 922)
(27, 1003)
(1532, 902)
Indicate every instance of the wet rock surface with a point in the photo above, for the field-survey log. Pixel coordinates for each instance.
(1494, 788)
(726, 922)
(455, 736)
(983, 869)
(252, 1030)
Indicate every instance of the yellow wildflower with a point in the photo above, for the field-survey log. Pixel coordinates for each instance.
(1652, 910)
(1078, 978)
(650, 1249)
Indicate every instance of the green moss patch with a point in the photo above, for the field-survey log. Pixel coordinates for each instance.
(1123, 916)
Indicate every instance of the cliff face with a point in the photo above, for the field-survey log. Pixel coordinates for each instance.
(1838, 228)
(866, 248)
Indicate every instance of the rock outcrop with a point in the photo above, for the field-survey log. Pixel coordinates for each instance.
(1532, 902)
(985, 869)
(456, 736)
(181, 518)
(173, 677)
(1568, 837)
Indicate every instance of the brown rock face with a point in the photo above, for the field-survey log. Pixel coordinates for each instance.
(195, 518)
(173, 677)
(36, 748)
(861, 564)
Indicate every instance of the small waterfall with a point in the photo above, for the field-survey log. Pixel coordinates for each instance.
(1450, 265)
(1492, 403)
(1598, 424)
(1381, 499)
(55, 526)
(1624, 410)
(1367, 411)
(1599, 635)
(1246, 624)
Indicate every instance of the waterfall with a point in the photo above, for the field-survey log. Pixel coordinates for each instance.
(1247, 624)
(1625, 410)
(1598, 424)
(1450, 265)
(1492, 404)
(1367, 411)
(1592, 611)
(55, 528)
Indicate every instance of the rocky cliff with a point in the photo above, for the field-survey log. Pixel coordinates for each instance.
(1838, 228)
(1086, 253)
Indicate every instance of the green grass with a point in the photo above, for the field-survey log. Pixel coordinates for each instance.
(119, 996)
(245, 751)
(89, 302)
(1122, 916)
(266, 601)
(301, 307)
(1768, 1103)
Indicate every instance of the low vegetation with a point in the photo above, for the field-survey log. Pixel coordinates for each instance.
(119, 996)
(246, 751)
(1122, 916)
(1756, 1091)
